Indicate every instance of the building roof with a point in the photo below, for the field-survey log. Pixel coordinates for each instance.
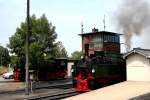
(100, 32)
(143, 52)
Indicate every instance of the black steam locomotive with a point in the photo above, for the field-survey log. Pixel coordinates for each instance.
(101, 68)
(57, 69)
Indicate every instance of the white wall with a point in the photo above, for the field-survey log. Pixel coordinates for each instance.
(69, 68)
(138, 68)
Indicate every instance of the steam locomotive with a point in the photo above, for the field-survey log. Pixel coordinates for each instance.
(53, 71)
(56, 69)
(102, 68)
(98, 71)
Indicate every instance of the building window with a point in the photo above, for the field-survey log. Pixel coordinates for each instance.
(91, 45)
(116, 39)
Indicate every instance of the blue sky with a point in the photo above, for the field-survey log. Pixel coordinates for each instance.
(66, 15)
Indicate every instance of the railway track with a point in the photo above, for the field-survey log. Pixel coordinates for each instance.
(50, 85)
(56, 96)
(57, 86)
(51, 91)
(62, 86)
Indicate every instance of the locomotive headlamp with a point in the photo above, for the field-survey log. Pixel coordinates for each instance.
(93, 70)
(72, 70)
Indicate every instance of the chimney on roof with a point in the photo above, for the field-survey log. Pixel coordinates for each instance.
(94, 30)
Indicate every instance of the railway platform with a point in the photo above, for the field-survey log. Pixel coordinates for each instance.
(127, 90)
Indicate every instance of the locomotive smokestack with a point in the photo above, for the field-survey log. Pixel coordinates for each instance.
(133, 18)
(94, 30)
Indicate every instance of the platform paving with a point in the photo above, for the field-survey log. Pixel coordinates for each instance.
(128, 90)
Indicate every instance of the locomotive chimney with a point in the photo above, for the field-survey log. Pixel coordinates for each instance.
(94, 30)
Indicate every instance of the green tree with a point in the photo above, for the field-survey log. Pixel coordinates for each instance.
(60, 50)
(41, 42)
(76, 55)
(14, 60)
(4, 56)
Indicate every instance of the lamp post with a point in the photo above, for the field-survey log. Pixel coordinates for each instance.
(1, 60)
(27, 49)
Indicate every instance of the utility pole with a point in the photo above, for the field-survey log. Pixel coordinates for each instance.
(27, 49)
(1, 60)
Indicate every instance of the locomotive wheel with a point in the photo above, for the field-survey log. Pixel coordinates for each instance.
(74, 83)
(97, 84)
(91, 84)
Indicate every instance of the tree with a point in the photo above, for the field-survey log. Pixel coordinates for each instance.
(60, 50)
(76, 55)
(14, 60)
(4, 56)
(41, 42)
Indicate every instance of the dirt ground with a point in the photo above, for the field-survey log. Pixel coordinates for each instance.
(121, 91)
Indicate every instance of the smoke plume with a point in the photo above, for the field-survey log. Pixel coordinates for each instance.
(133, 17)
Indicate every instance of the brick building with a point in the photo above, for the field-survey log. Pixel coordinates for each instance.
(100, 41)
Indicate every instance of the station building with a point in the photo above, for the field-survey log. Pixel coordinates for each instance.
(138, 64)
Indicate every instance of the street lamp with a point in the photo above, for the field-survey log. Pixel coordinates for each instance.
(1, 60)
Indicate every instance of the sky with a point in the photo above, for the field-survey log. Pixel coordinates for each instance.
(66, 15)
